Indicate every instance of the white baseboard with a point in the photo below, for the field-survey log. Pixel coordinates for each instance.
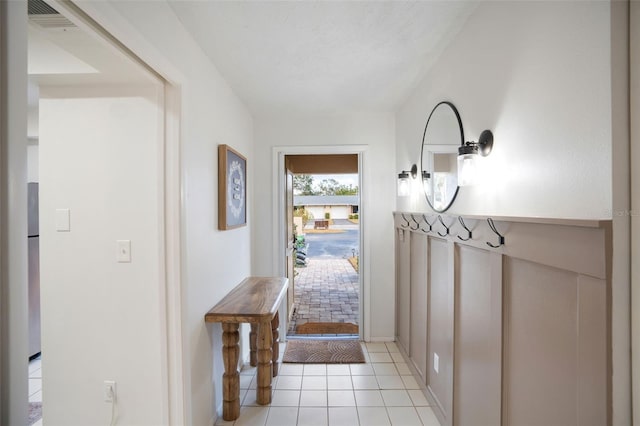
(382, 339)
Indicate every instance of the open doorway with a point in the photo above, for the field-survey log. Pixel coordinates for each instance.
(323, 217)
(85, 97)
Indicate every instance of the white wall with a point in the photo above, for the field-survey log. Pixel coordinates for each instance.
(373, 130)
(538, 75)
(548, 78)
(33, 167)
(211, 114)
(100, 158)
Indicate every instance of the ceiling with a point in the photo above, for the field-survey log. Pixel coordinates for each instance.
(61, 53)
(322, 56)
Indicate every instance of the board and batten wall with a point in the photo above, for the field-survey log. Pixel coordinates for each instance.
(518, 334)
(560, 123)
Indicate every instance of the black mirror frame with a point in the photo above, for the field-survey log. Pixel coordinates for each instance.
(424, 134)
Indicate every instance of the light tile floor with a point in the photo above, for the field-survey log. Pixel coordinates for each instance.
(381, 391)
(35, 383)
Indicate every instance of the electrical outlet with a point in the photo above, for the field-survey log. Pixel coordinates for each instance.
(109, 391)
(124, 251)
(436, 362)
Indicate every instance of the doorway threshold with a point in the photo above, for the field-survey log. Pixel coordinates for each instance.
(323, 337)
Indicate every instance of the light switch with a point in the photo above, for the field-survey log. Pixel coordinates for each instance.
(63, 221)
(124, 251)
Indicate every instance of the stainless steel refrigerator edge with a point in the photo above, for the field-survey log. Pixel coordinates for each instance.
(34, 271)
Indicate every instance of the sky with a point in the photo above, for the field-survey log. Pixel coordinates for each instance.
(350, 179)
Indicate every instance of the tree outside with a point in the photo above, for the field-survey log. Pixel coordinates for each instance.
(312, 185)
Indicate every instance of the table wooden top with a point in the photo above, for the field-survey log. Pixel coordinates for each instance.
(253, 300)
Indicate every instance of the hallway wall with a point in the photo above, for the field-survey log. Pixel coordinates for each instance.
(213, 262)
(538, 75)
(548, 79)
(100, 152)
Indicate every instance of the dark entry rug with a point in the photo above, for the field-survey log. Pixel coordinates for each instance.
(35, 412)
(327, 328)
(323, 352)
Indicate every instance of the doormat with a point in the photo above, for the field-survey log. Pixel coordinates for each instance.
(327, 328)
(323, 352)
(35, 412)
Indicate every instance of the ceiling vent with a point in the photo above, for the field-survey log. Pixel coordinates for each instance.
(45, 16)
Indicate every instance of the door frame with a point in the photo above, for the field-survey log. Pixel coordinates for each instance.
(279, 220)
(120, 35)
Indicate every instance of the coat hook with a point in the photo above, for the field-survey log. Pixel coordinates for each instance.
(413, 219)
(466, 229)
(406, 224)
(445, 227)
(500, 236)
(428, 223)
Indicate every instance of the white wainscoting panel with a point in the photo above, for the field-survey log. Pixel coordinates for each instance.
(419, 303)
(478, 337)
(519, 329)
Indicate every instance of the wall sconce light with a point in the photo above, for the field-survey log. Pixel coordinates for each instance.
(404, 186)
(468, 157)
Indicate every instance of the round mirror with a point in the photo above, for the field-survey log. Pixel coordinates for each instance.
(442, 136)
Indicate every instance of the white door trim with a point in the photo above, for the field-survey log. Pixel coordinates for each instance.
(14, 342)
(279, 223)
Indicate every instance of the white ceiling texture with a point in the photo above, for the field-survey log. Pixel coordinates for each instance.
(322, 56)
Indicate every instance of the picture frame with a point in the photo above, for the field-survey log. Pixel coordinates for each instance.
(232, 188)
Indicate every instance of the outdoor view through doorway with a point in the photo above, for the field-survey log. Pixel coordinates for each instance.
(325, 218)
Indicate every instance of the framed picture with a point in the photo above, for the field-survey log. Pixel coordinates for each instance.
(232, 188)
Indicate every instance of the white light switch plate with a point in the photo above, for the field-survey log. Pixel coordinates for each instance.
(436, 362)
(63, 220)
(124, 251)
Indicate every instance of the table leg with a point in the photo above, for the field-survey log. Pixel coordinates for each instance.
(265, 344)
(275, 323)
(231, 378)
(253, 336)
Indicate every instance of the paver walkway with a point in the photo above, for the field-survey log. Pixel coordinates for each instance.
(326, 290)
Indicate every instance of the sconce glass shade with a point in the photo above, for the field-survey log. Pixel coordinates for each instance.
(403, 184)
(467, 169)
(468, 155)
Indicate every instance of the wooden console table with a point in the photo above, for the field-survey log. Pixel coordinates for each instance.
(255, 300)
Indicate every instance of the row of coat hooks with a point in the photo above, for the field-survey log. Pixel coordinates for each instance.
(417, 224)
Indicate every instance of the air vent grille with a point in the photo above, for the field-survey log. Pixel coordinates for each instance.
(45, 16)
(38, 7)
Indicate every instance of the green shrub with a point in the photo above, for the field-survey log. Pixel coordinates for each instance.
(304, 214)
(327, 215)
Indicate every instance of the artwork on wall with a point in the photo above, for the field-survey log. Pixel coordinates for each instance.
(232, 188)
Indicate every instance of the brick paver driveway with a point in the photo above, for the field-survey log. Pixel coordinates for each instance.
(326, 290)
